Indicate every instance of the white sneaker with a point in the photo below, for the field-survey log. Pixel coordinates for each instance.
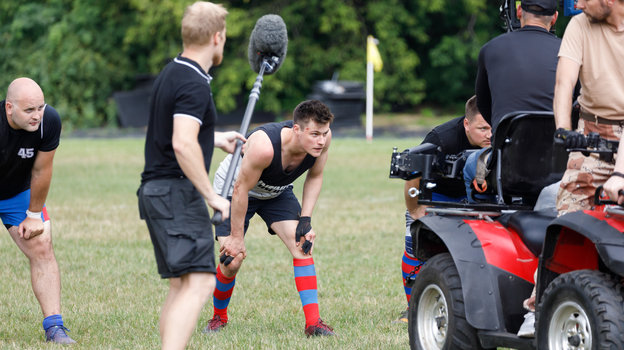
(527, 330)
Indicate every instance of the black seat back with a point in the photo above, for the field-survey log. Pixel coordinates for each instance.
(525, 158)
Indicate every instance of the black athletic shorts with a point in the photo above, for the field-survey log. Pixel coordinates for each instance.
(179, 225)
(281, 208)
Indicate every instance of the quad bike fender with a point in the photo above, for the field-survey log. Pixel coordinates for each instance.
(436, 234)
(578, 240)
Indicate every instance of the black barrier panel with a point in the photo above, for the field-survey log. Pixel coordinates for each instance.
(133, 108)
(345, 99)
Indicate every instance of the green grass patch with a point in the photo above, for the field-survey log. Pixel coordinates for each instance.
(112, 294)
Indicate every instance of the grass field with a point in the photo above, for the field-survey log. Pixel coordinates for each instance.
(112, 294)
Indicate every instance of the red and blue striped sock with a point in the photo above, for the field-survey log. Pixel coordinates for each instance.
(408, 265)
(305, 280)
(223, 292)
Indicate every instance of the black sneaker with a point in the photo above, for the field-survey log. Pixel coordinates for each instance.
(319, 328)
(56, 334)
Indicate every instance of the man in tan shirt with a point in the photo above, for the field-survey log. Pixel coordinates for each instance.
(591, 51)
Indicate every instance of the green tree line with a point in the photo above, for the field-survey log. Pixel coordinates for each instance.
(81, 51)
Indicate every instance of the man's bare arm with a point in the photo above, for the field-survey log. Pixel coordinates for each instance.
(567, 75)
(415, 210)
(258, 156)
(190, 157)
(39, 186)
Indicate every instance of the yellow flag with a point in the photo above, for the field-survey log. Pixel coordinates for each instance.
(372, 54)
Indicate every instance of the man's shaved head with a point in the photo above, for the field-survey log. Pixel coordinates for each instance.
(24, 104)
(21, 87)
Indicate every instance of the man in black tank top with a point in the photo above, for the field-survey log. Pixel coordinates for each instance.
(274, 156)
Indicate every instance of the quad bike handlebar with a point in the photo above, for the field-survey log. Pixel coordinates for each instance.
(595, 144)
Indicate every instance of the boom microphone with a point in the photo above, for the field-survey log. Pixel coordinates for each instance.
(267, 50)
(268, 43)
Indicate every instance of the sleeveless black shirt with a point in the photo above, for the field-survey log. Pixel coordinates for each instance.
(274, 174)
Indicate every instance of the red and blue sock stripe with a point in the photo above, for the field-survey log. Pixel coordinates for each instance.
(222, 294)
(409, 265)
(305, 280)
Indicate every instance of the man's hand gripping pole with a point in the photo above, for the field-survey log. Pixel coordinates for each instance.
(267, 65)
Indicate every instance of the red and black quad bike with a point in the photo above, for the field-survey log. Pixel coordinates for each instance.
(480, 258)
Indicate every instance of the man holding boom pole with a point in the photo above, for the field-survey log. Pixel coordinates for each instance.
(175, 186)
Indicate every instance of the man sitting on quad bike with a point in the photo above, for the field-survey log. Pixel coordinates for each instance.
(467, 132)
(528, 59)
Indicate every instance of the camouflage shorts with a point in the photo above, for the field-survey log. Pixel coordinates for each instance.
(584, 174)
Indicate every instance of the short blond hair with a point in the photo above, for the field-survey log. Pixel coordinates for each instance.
(471, 110)
(201, 21)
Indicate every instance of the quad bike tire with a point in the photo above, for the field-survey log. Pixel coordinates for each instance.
(437, 319)
(581, 310)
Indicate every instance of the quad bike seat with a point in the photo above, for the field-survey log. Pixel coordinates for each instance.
(531, 227)
(524, 159)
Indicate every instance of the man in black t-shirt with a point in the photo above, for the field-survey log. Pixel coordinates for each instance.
(516, 70)
(175, 186)
(29, 135)
(453, 137)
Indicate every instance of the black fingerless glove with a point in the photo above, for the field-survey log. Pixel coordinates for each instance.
(307, 245)
(571, 139)
(304, 226)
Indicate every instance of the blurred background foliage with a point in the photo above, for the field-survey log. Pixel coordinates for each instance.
(81, 51)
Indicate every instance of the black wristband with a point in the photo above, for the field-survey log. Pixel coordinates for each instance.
(618, 174)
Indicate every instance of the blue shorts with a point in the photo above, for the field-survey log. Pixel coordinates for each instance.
(13, 210)
(281, 208)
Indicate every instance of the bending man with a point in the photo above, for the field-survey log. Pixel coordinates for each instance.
(274, 156)
(29, 136)
(457, 135)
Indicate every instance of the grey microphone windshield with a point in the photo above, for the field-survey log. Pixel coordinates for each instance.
(267, 40)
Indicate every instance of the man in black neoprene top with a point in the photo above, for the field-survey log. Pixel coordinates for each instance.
(453, 137)
(29, 135)
(274, 156)
(175, 186)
